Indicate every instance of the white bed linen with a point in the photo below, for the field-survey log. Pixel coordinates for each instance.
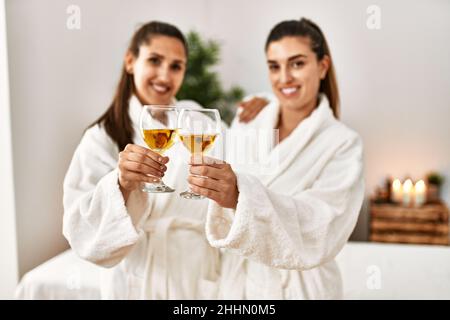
(65, 276)
(406, 272)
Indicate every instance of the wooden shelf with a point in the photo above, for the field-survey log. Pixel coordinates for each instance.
(432, 212)
(381, 225)
(425, 225)
(413, 239)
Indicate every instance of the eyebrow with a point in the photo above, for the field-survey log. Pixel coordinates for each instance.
(290, 58)
(153, 54)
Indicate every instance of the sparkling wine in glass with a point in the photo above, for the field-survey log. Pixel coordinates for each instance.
(198, 129)
(158, 127)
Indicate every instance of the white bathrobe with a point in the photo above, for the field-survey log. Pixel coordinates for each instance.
(290, 223)
(154, 246)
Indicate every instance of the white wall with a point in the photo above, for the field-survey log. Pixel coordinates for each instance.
(394, 84)
(8, 247)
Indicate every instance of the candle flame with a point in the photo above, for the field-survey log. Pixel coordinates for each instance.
(396, 185)
(407, 186)
(420, 186)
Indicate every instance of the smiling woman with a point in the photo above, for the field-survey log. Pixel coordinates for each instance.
(158, 70)
(284, 227)
(299, 62)
(147, 240)
(153, 71)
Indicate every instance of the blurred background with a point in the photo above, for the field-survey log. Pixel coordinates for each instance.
(394, 84)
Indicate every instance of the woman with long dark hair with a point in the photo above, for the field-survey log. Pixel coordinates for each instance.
(153, 245)
(282, 228)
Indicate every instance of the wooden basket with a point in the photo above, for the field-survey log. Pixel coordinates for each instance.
(425, 225)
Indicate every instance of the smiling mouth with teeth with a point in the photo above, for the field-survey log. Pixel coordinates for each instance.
(289, 91)
(160, 88)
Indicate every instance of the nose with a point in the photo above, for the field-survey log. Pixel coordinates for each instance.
(285, 75)
(164, 73)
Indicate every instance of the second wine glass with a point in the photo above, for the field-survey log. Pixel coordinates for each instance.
(198, 129)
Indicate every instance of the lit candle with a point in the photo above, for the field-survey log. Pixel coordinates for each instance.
(407, 192)
(396, 192)
(419, 193)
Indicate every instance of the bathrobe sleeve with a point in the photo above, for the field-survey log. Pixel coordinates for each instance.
(293, 232)
(98, 225)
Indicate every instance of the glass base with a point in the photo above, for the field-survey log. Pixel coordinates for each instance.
(191, 195)
(156, 188)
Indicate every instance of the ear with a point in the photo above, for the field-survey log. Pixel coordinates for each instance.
(324, 65)
(129, 62)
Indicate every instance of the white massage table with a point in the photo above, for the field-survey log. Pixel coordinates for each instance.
(369, 271)
(65, 276)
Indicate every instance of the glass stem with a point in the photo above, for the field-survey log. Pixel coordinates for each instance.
(158, 180)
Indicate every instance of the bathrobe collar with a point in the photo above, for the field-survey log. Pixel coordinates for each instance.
(285, 152)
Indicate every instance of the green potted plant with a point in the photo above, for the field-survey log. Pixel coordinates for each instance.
(202, 84)
(434, 181)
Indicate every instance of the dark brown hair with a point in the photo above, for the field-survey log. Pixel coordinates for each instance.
(319, 45)
(116, 119)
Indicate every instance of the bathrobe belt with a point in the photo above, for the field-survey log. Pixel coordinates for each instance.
(157, 235)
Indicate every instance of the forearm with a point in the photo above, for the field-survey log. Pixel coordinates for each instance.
(96, 222)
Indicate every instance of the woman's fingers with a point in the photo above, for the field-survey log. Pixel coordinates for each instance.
(140, 168)
(252, 108)
(246, 107)
(199, 160)
(224, 194)
(211, 168)
(216, 181)
(141, 150)
(144, 159)
(208, 171)
(139, 159)
(207, 183)
(138, 164)
(132, 177)
(208, 193)
(253, 112)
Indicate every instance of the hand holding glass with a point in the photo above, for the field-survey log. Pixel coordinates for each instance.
(158, 127)
(198, 129)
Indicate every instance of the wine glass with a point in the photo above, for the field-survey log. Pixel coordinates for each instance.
(158, 127)
(197, 130)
